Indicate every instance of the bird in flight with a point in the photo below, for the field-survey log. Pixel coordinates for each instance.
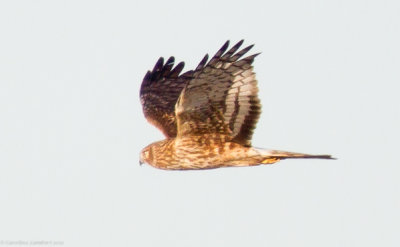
(207, 115)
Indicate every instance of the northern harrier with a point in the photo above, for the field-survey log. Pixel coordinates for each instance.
(207, 114)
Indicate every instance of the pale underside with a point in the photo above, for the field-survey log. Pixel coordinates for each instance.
(206, 152)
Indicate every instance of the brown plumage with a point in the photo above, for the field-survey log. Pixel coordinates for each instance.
(208, 115)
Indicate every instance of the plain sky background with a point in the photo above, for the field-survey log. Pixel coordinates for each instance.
(72, 127)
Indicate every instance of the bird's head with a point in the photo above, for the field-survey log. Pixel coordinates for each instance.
(146, 155)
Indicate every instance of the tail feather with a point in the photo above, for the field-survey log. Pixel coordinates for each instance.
(272, 156)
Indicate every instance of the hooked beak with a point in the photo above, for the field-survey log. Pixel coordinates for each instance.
(141, 159)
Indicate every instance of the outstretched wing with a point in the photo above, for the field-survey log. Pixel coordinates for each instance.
(159, 92)
(221, 97)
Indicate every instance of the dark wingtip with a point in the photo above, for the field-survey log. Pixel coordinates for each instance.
(159, 64)
(222, 50)
(240, 43)
(170, 61)
(147, 76)
(226, 45)
(202, 62)
(177, 70)
(165, 71)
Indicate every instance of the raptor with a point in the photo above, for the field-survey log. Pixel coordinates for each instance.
(207, 115)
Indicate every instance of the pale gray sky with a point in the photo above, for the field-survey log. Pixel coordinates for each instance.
(72, 128)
